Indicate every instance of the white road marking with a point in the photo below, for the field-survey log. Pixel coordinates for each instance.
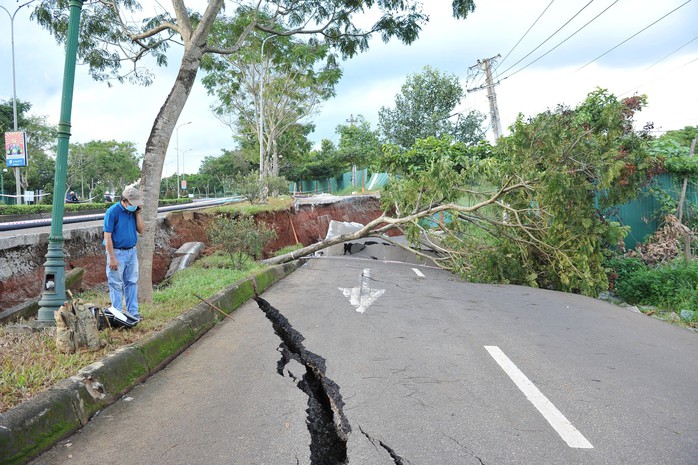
(363, 296)
(418, 273)
(557, 420)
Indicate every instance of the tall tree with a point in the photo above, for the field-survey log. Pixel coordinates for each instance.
(425, 108)
(293, 146)
(359, 145)
(318, 164)
(228, 163)
(107, 40)
(111, 165)
(285, 79)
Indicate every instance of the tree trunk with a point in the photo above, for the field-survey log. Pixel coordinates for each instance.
(154, 159)
(275, 166)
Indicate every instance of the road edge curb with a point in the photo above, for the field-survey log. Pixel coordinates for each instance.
(36, 425)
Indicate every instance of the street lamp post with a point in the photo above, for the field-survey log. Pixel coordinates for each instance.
(14, 87)
(53, 288)
(182, 176)
(177, 150)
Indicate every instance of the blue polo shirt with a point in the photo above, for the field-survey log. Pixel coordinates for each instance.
(121, 223)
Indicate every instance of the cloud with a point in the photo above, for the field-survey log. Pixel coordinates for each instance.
(371, 80)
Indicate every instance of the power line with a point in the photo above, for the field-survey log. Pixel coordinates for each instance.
(668, 72)
(638, 32)
(551, 36)
(565, 40)
(667, 56)
(659, 61)
(525, 33)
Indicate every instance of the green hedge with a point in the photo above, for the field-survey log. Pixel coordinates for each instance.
(74, 207)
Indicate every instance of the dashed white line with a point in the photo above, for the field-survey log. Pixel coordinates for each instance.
(418, 273)
(557, 420)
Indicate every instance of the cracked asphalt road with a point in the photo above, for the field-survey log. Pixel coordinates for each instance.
(416, 384)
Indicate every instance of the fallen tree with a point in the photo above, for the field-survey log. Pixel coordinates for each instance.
(549, 225)
(387, 222)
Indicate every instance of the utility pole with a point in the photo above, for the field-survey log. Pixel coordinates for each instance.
(485, 65)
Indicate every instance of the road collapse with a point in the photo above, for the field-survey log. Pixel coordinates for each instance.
(328, 426)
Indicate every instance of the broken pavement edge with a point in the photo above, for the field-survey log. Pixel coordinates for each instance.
(34, 426)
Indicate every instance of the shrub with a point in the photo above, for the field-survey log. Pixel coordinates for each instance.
(619, 268)
(255, 190)
(673, 286)
(277, 185)
(239, 237)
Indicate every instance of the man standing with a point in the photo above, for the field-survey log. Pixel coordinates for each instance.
(122, 224)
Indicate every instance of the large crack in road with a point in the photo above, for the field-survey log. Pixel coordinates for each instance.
(327, 424)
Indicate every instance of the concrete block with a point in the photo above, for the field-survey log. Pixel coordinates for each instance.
(185, 256)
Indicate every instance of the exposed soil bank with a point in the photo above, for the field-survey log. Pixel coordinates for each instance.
(22, 257)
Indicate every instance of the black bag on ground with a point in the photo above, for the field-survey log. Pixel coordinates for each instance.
(120, 318)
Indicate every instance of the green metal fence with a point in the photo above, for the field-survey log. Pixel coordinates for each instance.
(331, 185)
(643, 214)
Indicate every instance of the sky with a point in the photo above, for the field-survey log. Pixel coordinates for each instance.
(548, 53)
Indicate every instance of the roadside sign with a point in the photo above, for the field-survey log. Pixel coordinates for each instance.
(16, 149)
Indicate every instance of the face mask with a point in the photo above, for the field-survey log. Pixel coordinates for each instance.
(131, 208)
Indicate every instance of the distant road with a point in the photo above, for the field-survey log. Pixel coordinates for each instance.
(37, 224)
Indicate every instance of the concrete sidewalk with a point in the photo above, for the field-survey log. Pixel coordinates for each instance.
(34, 426)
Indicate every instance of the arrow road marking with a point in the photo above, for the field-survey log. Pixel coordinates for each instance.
(363, 296)
(557, 420)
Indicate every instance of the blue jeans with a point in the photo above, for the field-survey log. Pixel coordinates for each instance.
(123, 282)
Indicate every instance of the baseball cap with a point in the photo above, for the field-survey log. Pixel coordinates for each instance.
(133, 195)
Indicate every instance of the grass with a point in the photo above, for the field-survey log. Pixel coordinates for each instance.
(283, 202)
(30, 362)
(670, 287)
(288, 249)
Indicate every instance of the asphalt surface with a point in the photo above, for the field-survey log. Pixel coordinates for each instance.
(412, 376)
